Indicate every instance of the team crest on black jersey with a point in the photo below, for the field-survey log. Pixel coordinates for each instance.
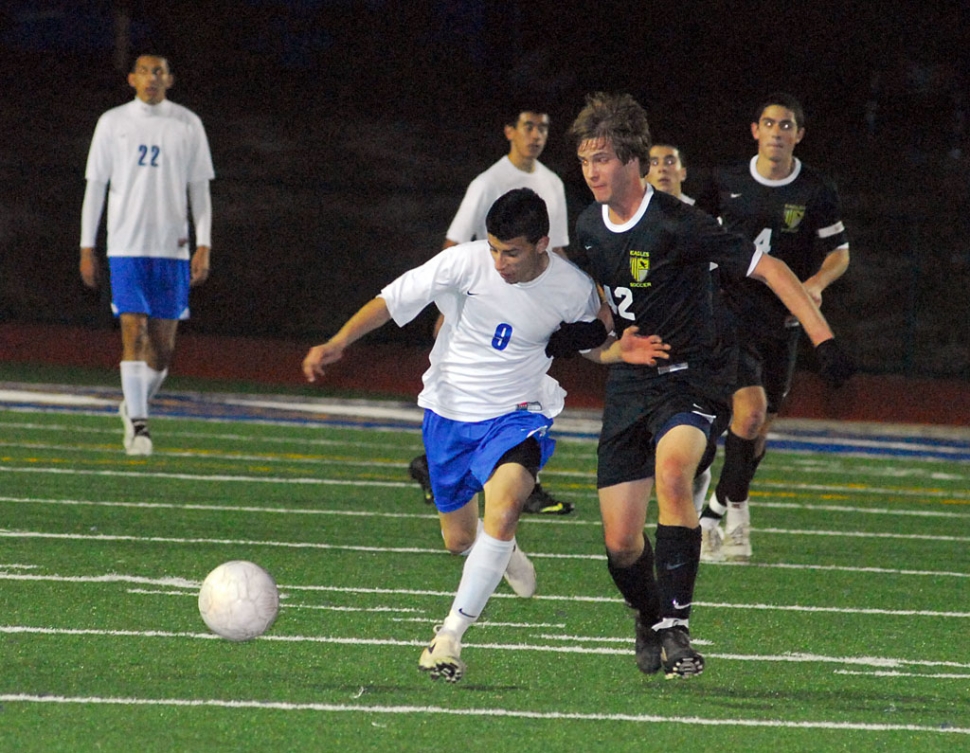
(794, 213)
(640, 268)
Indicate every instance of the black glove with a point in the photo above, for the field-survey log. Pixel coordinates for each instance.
(571, 338)
(834, 364)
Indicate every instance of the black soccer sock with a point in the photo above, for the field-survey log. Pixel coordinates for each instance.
(739, 467)
(638, 584)
(678, 556)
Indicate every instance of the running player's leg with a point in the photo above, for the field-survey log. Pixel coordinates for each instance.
(679, 450)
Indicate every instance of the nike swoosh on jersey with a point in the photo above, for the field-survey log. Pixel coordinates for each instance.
(735, 196)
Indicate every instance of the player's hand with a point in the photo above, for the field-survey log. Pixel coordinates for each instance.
(572, 337)
(90, 268)
(835, 365)
(320, 356)
(200, 266)
(642, 349)
(814, 293)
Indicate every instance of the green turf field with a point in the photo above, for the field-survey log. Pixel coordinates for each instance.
(848, 632)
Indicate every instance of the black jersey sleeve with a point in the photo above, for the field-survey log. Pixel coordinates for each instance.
(708, 197)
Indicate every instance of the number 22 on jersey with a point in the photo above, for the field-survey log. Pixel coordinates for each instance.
(148, 155)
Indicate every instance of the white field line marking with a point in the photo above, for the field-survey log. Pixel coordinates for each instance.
(289, 457)
(860, 489)
(5, 533)
(801, 464)
(924, 675)
(360, 513)
(539, 555)
(599, 557)
(218, 477)
(191, 585)
(245, 438)
(479, 712)
(222, 508)
(865, 510)
(51, 398)
(786, 658)
(790, 488)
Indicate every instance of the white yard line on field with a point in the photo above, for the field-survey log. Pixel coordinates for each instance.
(479, 713)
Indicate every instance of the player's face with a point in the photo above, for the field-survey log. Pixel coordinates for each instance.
(517, 260)
(150, 79)
(610, 180)
(529, 136)
(777, 133)
(666, 171)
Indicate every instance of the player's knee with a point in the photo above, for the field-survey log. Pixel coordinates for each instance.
(673, 480)
(623, 547)
(457, 542)
(747, 422)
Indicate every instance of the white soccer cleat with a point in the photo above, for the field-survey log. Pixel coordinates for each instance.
(141, 444)
(737, 532)
(442, 657)
(521, 574)
(712, 549)
(126, 422)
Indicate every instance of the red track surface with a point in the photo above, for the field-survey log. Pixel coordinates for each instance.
(396, 370)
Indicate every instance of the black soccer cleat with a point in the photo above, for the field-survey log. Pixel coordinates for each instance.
(678, 657)
(540, 502)
(647, 646)
(418, 470)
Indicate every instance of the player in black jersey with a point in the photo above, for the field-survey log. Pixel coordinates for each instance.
(793, 213)
(651, 254)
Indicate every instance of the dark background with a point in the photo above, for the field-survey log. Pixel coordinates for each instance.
(344, 133)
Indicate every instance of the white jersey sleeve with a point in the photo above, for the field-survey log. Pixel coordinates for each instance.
(490, 360)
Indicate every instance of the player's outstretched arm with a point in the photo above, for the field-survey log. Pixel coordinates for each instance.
(632, 347)
(783, 282)
(833, 267)
(836, 366)
(372, 315)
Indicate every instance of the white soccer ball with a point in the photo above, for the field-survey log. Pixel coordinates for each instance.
(239, 600)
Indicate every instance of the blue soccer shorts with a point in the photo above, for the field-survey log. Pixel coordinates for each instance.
(158, 288)
(462, 455)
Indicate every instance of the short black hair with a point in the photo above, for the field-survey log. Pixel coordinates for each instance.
(513, 114)
(672, 145)
(520, 212)
(782, 99)
(139, 56)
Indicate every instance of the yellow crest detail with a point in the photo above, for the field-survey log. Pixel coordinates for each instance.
(639, 268)
(793, 215)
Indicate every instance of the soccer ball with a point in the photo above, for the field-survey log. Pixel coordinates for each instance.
(239, 600)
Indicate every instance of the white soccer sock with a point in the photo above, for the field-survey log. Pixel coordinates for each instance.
(155, 379)
(134, 386)
(480, 577)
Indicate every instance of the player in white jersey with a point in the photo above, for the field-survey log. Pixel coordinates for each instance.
(527, 131)
(489, 403)
(152, 157)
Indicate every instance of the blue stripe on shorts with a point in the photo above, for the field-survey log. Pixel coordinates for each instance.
(145, 285)
(462, 455)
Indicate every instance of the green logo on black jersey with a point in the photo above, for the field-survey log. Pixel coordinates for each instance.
(793, 215)
(639, 267)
